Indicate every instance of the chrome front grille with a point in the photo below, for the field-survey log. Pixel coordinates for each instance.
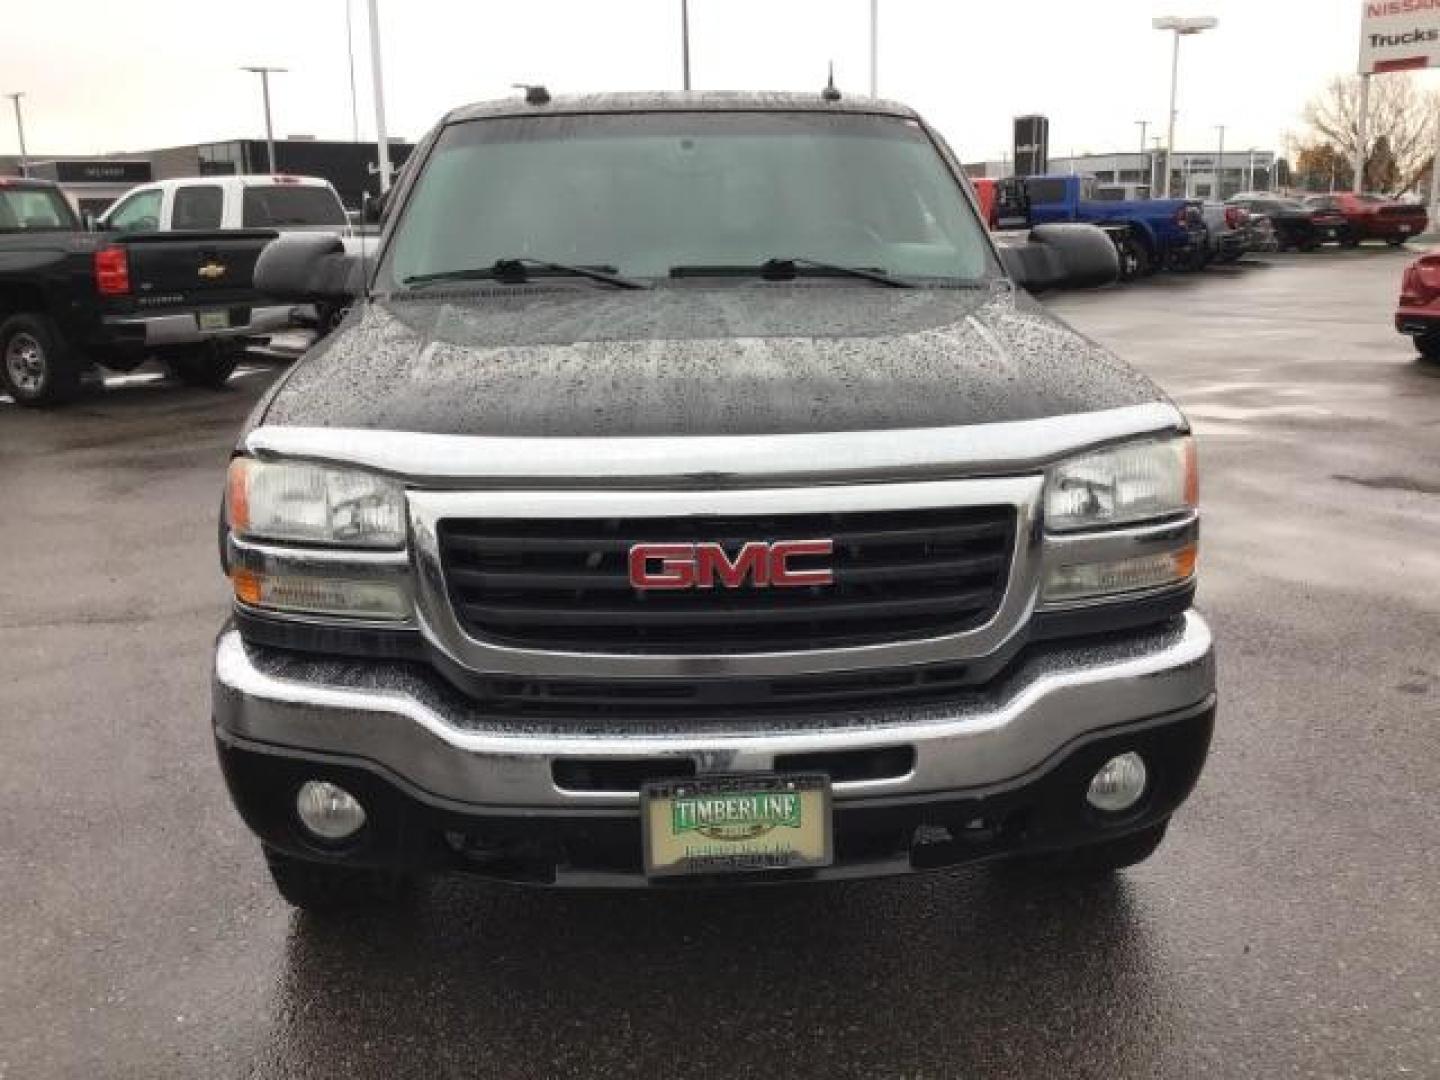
(562, 584)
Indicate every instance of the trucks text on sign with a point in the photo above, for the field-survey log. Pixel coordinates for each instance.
(1399, 35)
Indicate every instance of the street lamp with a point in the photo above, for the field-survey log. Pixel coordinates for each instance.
(1219, 192)
(20, 131)
(1144, 126)
(264, 73)
(350, 56)
(874, 48)
(377, 73)
(685, 45)
(1180, 27)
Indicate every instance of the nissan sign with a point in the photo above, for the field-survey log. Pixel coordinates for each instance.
(1399, 35)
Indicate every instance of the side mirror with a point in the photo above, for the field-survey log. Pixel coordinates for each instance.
(1063, 255)
(308, 269)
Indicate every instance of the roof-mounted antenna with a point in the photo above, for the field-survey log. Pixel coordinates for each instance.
(830, 93)
(535, 93)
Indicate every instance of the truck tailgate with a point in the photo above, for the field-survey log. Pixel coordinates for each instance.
(194, 268)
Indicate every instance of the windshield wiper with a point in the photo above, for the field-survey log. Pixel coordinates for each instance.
(789, 267)
(513, 272)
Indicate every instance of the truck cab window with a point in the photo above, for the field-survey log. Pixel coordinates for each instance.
(33, 211)
(140, 213)
(1046, 189)
(291, 207)
(197, 206)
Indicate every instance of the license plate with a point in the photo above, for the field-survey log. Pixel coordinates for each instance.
(214, 320)
(736, 824)
(1405, 228)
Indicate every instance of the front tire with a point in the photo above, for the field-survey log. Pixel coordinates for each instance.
(208, 366)
(1428, 345)
(1095, 860)
(323, 887)
(37, 367)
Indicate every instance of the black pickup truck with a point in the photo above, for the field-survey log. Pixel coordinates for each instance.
(693, 493)
(71, 299)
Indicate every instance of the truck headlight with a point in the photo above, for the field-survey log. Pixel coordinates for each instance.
(314, 540)
(1131, 482)
(1119, 521)
(300, 503)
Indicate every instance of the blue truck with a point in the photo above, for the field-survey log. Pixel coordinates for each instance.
(1148, 234)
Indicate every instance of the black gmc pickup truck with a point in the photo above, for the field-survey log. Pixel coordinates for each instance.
(693, 494)
(71, 299)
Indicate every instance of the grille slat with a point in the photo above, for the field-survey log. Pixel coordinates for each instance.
(498, 542)
(542, 580)
(563, 584)
(719, 612)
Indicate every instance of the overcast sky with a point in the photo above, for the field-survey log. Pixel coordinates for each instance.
(104, 76)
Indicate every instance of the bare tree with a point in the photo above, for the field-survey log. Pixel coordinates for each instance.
(1402, 122)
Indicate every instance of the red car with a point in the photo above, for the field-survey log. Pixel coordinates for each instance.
(1419, 311)
(1374, 217)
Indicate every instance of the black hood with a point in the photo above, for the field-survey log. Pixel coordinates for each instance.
(699, 360)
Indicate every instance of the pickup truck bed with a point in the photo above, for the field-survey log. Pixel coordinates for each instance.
(189, 286)
(70, 299)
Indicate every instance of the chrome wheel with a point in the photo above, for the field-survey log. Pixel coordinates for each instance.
(25, 363)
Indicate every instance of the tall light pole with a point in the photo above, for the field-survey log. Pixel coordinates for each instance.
(1219, 192)
(264, 73)
(377, 73)
(20, 131)
(1180, 27)
(1143, 125)
(685, 44)
(874, 48)
(350, 56)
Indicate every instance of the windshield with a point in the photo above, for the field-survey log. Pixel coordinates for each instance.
(34, 210)
(291, 206)
(645, 194)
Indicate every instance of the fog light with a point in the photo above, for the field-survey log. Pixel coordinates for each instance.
(328, 811)
(1119, 784)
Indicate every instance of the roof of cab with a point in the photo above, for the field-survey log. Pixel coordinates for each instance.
(582, 104)
(27, 182)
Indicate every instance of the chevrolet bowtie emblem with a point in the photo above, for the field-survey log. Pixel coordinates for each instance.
(211, 270)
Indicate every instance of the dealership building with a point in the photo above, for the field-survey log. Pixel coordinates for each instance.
(93, 182)
(1193, 174)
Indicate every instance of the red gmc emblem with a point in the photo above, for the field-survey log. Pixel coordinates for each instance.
(700, 566)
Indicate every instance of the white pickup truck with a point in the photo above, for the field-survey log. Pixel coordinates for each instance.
(284, 205)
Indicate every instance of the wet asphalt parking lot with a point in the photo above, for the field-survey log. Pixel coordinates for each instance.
(1290, 926)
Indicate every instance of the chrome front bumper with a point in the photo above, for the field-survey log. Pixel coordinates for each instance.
(415, 731)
